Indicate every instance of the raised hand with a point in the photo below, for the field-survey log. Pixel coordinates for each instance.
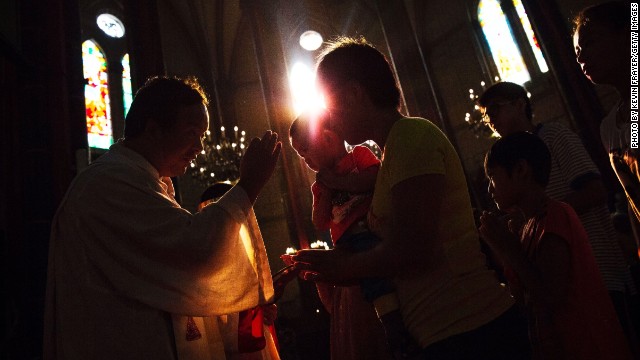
(258, 163)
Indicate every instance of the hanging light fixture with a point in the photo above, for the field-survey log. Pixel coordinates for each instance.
(476, 118)
(220, 158)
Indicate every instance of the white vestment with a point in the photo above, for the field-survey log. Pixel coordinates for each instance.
(128, 265)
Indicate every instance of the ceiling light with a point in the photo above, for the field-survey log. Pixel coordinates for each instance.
(310, 40)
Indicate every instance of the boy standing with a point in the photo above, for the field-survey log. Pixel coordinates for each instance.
(573, 179)
(551, 270)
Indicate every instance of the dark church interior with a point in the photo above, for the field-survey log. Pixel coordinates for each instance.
(248, 55)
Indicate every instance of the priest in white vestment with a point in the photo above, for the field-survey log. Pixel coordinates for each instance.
(128, 266)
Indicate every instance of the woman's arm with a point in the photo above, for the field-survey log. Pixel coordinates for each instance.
(416, 217)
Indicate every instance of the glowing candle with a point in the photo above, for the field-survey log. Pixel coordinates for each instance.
(319, 244)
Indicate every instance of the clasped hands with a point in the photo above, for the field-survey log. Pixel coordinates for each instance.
(499, 233)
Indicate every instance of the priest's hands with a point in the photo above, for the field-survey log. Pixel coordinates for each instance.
(258, 163)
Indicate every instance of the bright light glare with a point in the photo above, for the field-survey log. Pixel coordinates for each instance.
(310, 40)
(303, 90)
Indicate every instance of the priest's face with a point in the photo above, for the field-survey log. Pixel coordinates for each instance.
(183, 141)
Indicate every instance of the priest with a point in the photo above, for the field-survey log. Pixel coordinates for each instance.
(132, 274)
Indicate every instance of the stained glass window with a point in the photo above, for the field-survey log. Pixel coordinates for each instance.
(127, 93)
(96, 96)
(504, 50)
(531, 36)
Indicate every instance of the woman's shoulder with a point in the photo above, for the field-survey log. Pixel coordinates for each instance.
(408, 128)
(415, 123)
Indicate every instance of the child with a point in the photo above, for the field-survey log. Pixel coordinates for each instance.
(342, 195)
(551, 270)
(573, 179)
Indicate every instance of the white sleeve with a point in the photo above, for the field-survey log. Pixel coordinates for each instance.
(143, 245)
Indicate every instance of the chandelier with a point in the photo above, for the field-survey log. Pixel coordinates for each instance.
(475, 119)
(219, 160)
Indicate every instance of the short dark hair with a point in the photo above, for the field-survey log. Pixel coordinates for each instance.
(613, 15)
(508, 91)
(348, 58)
(507, 151)
(160, 99)
(310, 122)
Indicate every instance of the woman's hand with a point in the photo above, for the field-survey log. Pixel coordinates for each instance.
(331, 266)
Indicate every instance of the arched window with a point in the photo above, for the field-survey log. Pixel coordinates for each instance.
(96, 95)
(127, 92)
(506, 47)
